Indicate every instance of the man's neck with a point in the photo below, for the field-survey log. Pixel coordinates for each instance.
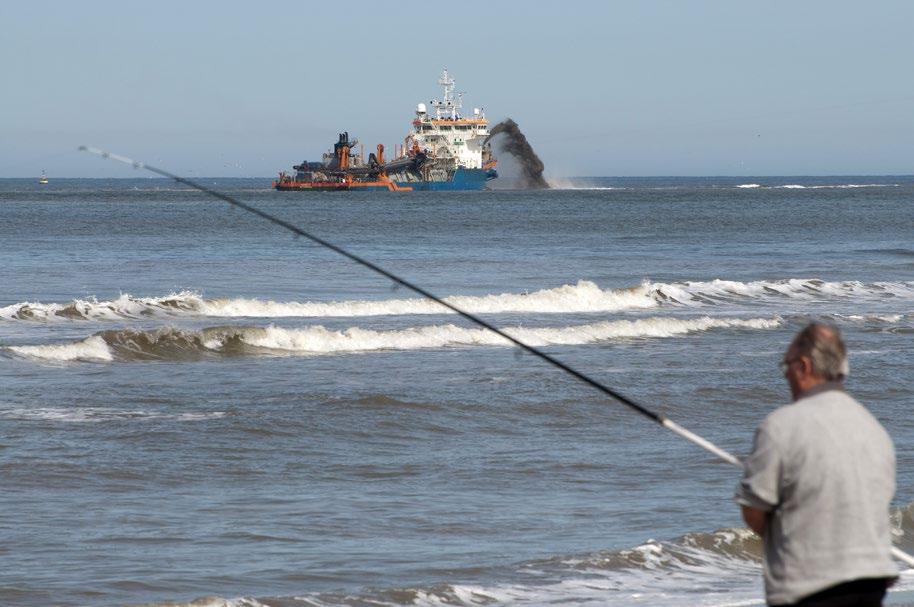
(823, 386)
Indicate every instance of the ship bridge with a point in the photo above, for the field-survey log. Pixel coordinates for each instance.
(445, 133)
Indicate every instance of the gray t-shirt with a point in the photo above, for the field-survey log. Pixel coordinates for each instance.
(824, 469)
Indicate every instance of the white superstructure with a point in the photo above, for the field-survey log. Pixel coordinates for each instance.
(444, 133)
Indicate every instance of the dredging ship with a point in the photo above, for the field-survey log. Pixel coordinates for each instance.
(443, 150)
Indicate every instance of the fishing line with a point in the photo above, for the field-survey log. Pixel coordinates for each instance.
(652, 415)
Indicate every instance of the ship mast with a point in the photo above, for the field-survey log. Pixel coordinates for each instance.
(447, 108)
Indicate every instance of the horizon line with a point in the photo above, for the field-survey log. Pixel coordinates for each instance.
(642, 176)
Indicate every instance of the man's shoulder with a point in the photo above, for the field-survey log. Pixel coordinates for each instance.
(787, 416)
(824, 408)
(836, 404)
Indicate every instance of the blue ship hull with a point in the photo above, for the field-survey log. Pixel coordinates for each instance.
(464, 179)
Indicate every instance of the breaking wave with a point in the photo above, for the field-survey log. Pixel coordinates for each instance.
(90, 349)
(125, 306)
(805, 289)
(717, 569)
(582, 297)
(177, 344)
(836, 186)
(720, 568)
(843, 186)
(585, 296)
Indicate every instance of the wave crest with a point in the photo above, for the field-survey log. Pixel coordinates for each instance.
(720, 568)
(584, 296)
(807, 289)
(90, 349)
(125, 306)
(654, 573)
(581, 297)
(178, 344)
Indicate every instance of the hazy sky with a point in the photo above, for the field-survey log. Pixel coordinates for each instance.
(600, 88)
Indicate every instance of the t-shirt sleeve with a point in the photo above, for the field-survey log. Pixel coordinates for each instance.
(759, 487)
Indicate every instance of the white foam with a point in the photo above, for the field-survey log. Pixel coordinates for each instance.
(886, 318)
(211, 601)
(565, 184)
(855, 185)
(582, 297)
(100, 414)
(585, 296)
(125, 306)
(673, 574)
(92, 348)
(683, 576)
(319, 340)
(837, 186)
(807, 289)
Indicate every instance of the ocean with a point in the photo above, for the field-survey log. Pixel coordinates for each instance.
(197, 408)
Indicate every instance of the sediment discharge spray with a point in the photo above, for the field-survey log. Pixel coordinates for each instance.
(507, 136)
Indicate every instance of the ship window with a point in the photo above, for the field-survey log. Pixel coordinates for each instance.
(445, 128)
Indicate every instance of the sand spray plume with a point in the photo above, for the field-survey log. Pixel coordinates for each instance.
(508, 138)
(659, 418)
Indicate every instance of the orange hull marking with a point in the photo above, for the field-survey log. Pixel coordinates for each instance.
(462, 122)
(340, 185)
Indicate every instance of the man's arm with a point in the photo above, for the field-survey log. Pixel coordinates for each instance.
(756, 519)
(757, 493)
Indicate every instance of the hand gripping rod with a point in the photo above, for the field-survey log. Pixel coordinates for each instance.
(657, 417)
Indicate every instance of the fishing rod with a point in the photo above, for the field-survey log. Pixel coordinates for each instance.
(659, 418)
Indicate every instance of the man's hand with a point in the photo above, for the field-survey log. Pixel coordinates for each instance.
(756, 519)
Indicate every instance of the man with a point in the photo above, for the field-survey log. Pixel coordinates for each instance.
(818, 484)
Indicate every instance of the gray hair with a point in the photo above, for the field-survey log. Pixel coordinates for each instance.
(822, 344)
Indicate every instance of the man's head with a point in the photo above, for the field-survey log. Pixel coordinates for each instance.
(816, 355)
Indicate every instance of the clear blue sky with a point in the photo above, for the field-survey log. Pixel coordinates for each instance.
(600, 88)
